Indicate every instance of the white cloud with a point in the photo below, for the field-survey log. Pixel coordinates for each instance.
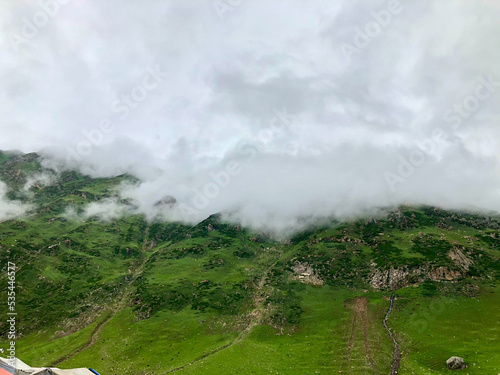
(352, 120)
(40, 180)
(10, 209)
(106, 210)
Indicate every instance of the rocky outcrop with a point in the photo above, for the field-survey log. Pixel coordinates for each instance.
(395, 278)
(305, 273)
(456, 363)
(458, 257)
(444, 274)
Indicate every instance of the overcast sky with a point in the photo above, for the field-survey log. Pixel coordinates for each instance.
(267, 110)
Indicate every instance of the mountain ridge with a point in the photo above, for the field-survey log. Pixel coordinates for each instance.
(132, 292)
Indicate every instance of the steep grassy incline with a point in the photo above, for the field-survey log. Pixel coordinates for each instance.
(129, 296)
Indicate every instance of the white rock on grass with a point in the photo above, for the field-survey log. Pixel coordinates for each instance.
(455, 363)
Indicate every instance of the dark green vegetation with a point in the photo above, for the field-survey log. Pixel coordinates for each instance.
(129, 296)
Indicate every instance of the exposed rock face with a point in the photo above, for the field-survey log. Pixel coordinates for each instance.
(305, 274)
(456, 363)
(394, 278)
(444, 273)
(460, 259)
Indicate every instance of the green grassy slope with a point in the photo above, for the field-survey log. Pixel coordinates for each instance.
(129, 296)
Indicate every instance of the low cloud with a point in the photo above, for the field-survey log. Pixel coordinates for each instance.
(10, 209)
(40, 180)
(106, 210)
(282, 193)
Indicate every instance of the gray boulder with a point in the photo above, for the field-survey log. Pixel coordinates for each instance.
(455, 363)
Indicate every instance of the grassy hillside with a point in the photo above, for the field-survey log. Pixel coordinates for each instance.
(128, 296)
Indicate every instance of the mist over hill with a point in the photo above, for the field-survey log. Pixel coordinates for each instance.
(100, 284)
(250, 186)
(282, 217)
(269, 112)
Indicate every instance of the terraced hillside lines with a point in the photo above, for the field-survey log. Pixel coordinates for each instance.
(360, 324)
(119, 305)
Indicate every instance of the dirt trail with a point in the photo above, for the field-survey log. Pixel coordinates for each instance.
(360, 321)
(396, 356)
(257, 317)
(92, 340)
(119, 305)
